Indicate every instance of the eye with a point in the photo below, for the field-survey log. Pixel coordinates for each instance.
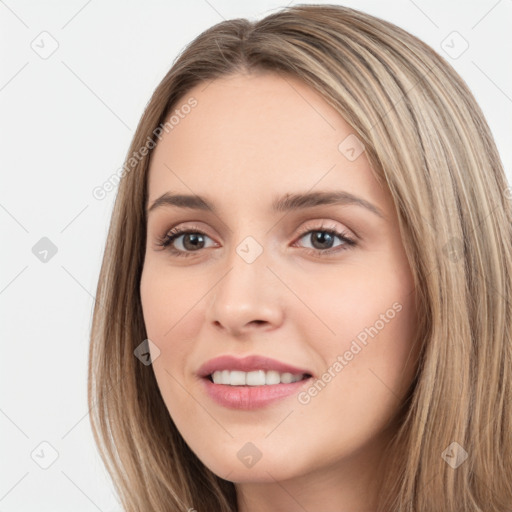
(192, 240)
(187, 241)
(323, 240)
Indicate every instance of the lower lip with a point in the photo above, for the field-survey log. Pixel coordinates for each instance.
(251, 397)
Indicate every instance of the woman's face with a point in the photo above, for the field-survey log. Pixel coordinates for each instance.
(291, 268)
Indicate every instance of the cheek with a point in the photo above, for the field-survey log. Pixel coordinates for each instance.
(168, 310)
(173, 314)
(369, 366)
(172, 319)
(355, 301)
(370, 354)
(169, 300)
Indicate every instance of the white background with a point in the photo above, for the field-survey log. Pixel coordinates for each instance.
(66, 124)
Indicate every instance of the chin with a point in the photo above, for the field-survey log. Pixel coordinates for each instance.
(246, 464)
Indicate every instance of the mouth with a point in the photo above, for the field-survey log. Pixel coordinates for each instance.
(252, 382)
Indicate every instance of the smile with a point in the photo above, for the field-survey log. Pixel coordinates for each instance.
(251, 382)
(254, 378)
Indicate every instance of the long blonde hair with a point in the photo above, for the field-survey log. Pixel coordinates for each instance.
(428, 141)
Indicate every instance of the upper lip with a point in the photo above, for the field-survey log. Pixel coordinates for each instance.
(247, 364)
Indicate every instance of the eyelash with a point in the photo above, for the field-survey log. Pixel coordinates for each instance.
(170, 236)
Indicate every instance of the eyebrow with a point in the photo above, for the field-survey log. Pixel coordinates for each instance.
(286, 203)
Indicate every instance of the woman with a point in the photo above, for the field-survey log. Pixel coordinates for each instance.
(304, 302)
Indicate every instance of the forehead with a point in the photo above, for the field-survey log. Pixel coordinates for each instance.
(249, 132)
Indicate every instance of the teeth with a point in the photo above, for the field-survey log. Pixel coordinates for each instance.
(237, 378)
(272, 377)
(254, 378)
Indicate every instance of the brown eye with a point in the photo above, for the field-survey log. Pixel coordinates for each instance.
(192, 241)
(182, 242)
(321, 239)
(324, 240)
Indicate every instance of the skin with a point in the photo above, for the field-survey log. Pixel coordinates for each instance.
(253, 137)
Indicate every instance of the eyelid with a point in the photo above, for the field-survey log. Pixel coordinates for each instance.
(327, 225)
(318, 224)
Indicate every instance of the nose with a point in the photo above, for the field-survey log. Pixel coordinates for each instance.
(247, 298)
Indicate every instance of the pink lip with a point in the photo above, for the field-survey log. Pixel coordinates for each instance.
(249, 397)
